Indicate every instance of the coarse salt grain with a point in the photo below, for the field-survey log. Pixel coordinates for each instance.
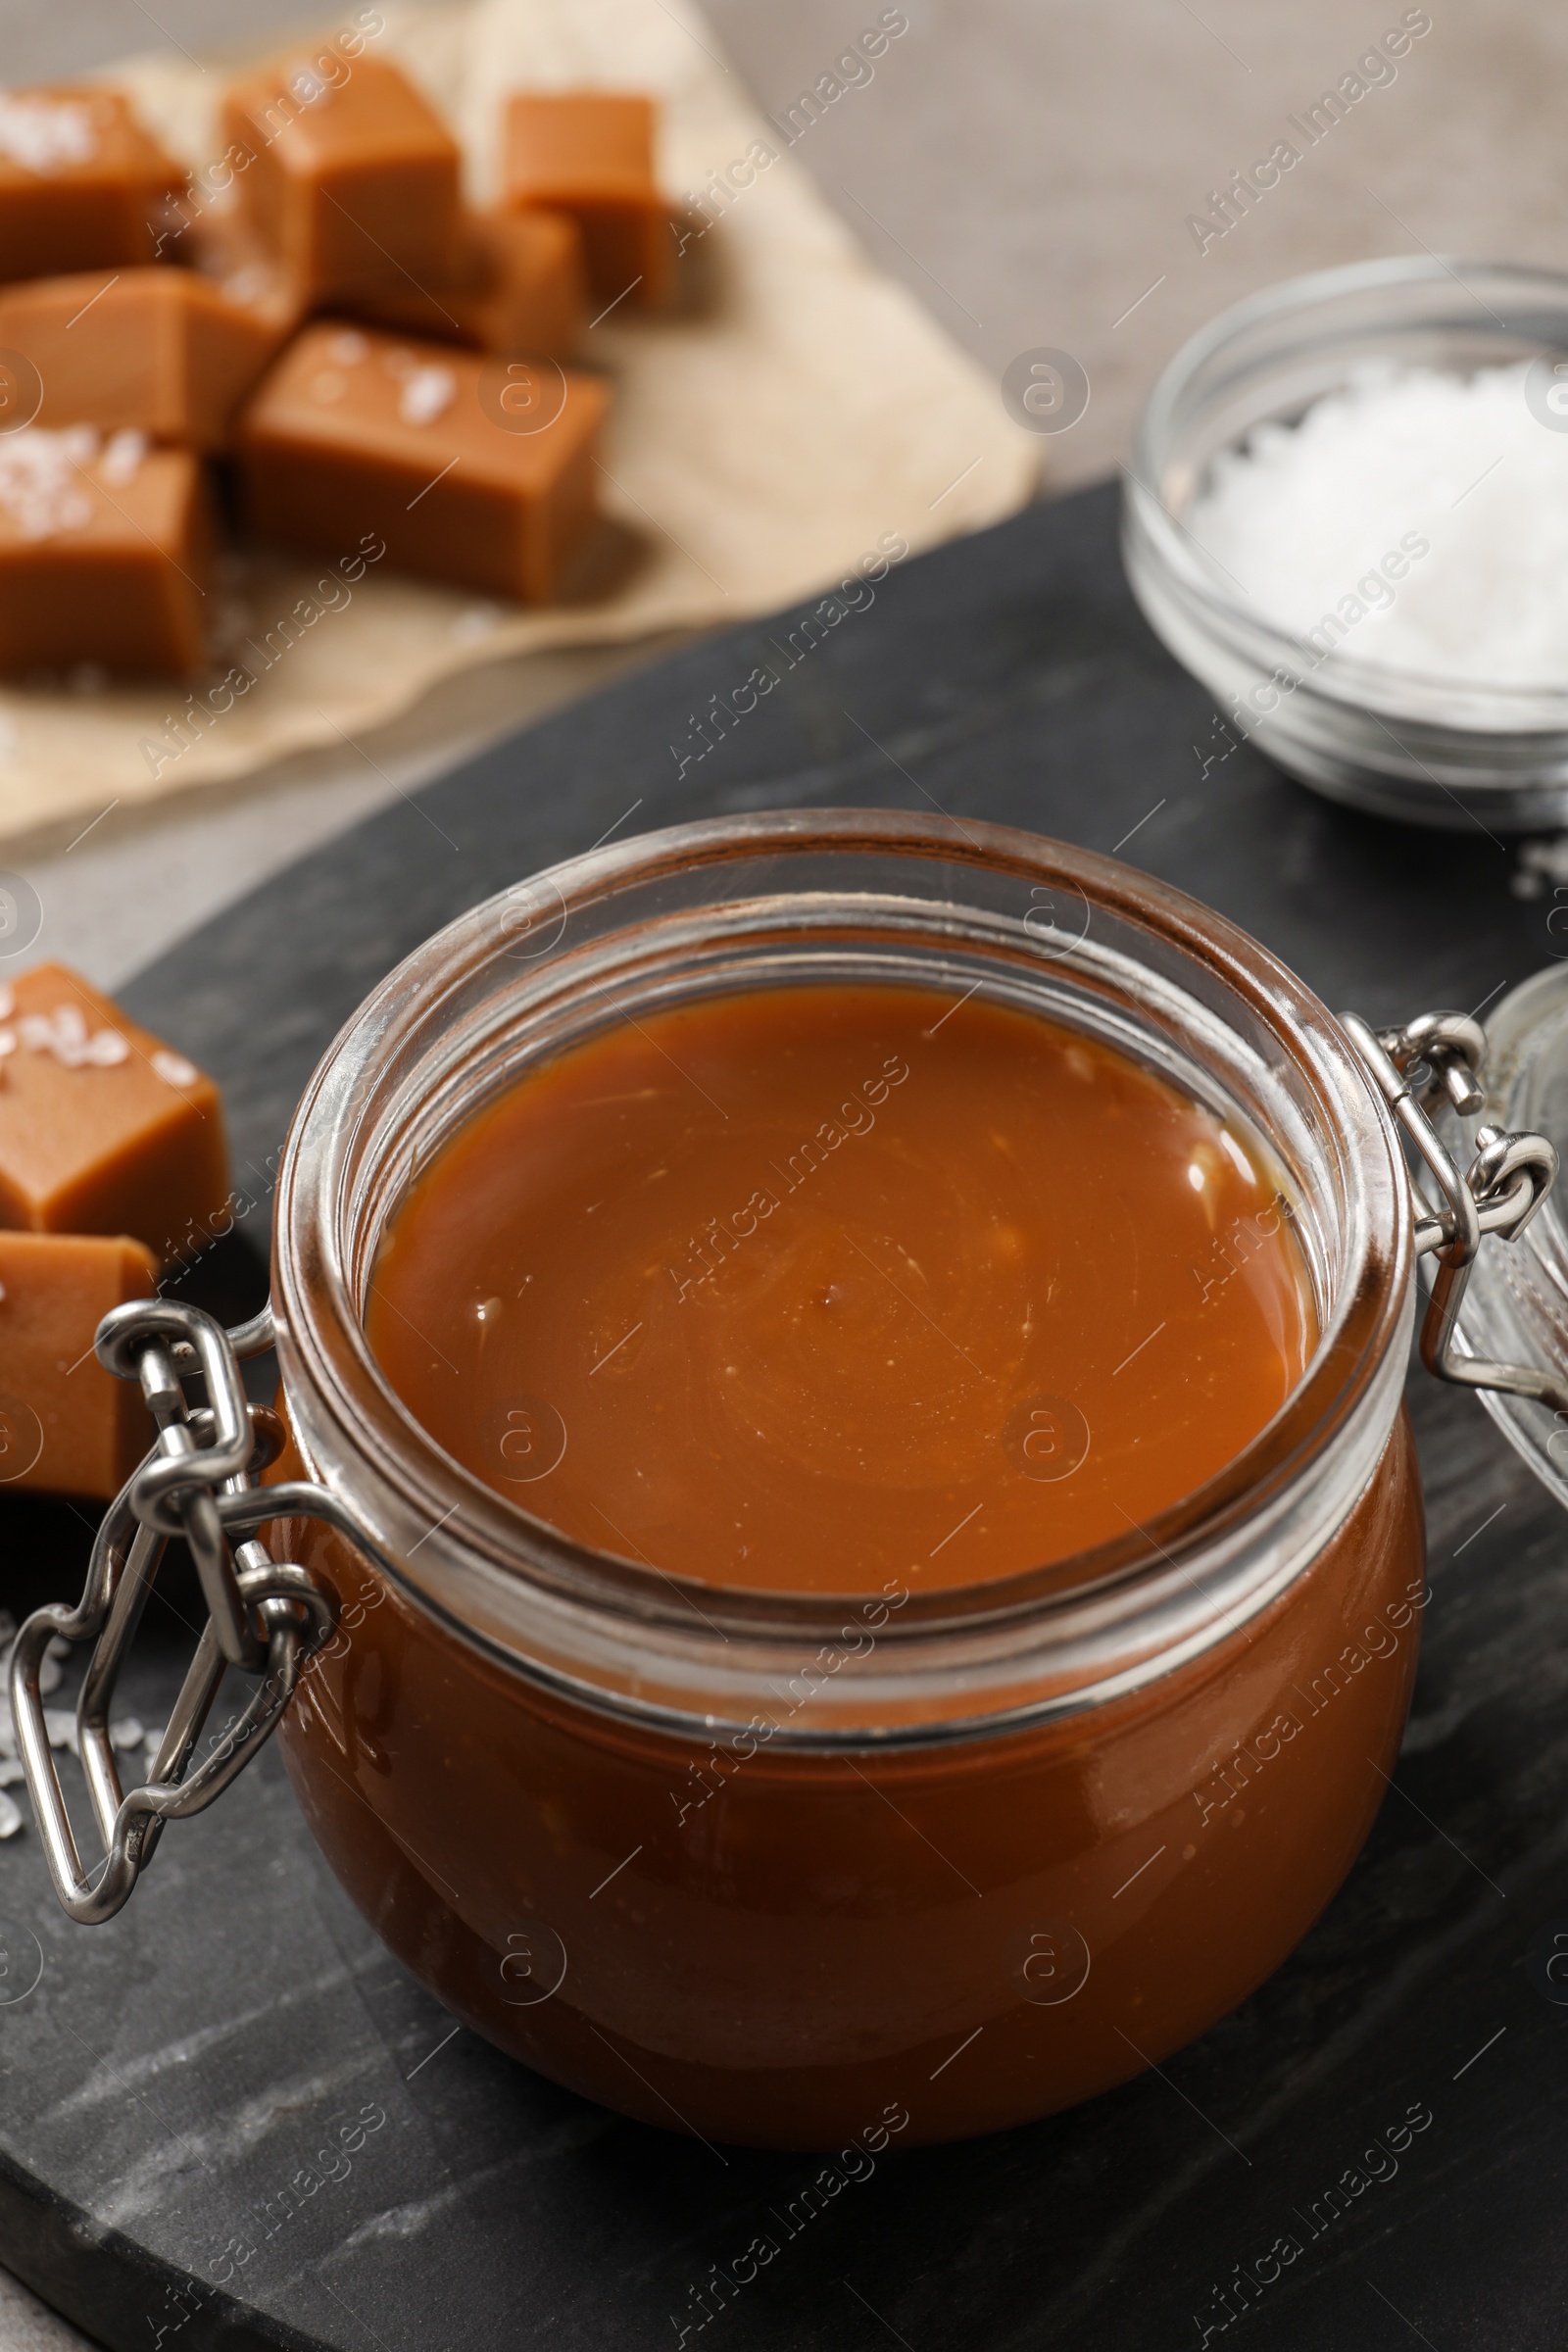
(172, 1068)
(43, 134)
(64, 1034)
(248, 285)
(1454, 477)
(473, 622)
(425, 393)
(122, 459)
(40, 479)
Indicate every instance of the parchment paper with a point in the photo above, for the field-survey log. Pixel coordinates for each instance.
(797, 411)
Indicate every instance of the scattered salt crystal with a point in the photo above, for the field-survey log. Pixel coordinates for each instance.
(49, 1675)
(10, 1815)
(43, 134)
(1540, 862)
(67, 1036)
(425, 393)
(328, 384)
(127, 1733)
(60, 1728)
(40, 479)
(174, 1069)
(8, 1000)
(247, 285)
(64, 1034)
(12, 1770)
(349, 349)
(121, 459)
(56, 1646)
(1412, 518)
(474, 621)
(155, 1740)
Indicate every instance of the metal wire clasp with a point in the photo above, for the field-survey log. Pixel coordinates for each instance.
(263, 1614)
(1438, 1057)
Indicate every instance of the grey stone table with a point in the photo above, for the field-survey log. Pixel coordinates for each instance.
(175, 2088)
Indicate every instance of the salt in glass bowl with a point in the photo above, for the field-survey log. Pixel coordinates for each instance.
(1431, 751)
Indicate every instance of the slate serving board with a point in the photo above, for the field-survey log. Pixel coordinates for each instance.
(171, 2081)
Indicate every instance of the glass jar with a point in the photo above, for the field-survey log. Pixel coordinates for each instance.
(802, 1868)
(1360, 730)
(789, 1869)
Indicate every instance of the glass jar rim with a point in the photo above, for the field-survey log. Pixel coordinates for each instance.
(518, 1587)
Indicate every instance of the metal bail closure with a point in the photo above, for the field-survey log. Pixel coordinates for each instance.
(265, 1615)
(1438, 1058)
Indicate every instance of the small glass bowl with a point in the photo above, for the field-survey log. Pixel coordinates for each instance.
(1427, 751)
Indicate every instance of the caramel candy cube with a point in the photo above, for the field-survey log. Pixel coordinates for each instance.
(355, 436)
(519, 286)
(160, 350)
(82, 187)
(103, 1128)
(104, 553)
(352, 182)
(68, 1426)
(248, 276)
(590, 153)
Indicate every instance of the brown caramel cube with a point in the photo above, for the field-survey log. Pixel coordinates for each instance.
(66, 1424)
(82, 187)
(161, 351)
(519, 286)
(230, 255)
(104, 553)
(355, 436)
(103, 1128)
(591, 154)
(350, 182)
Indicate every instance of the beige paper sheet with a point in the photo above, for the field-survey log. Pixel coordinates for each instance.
(798, 411)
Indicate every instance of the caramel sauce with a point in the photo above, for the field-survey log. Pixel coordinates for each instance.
(809, 1287)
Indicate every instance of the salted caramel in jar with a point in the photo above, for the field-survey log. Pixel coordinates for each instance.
(870, 1365)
